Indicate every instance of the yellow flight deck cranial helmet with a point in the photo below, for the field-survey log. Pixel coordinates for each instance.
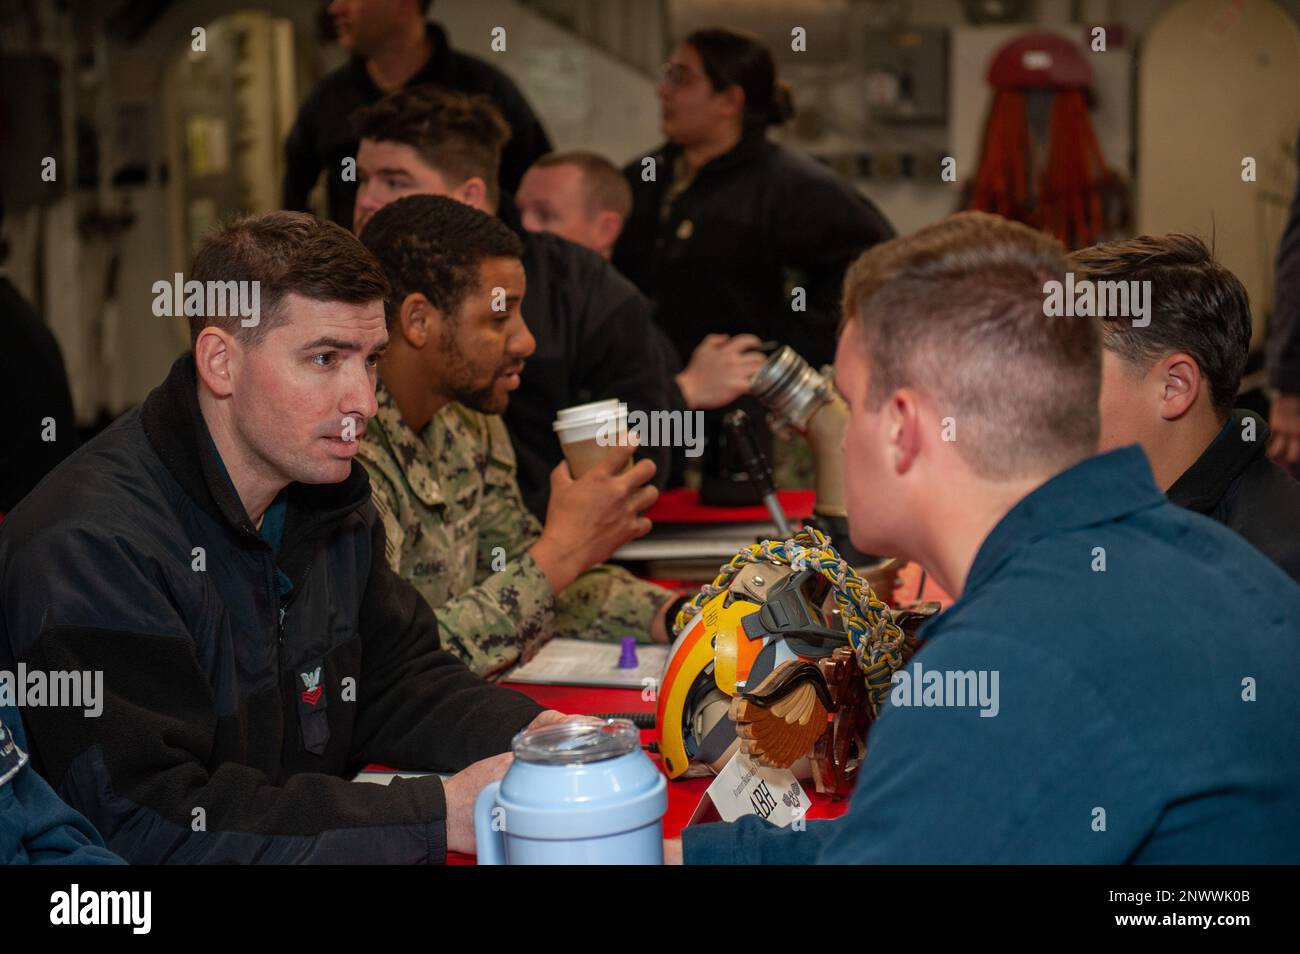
(768, 607)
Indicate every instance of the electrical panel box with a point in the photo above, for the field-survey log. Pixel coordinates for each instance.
(907, 75)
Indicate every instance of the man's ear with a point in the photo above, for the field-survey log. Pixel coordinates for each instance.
(473, 191)
(903, 429)
(1179, 379)
(417, 320)
(606, 229)
(217, 357)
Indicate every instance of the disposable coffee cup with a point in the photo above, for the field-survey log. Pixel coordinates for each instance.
(589, 433)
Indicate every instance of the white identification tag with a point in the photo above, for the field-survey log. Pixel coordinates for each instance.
(744, 788)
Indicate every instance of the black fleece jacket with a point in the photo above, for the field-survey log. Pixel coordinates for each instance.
(233, 712)
(724, 256)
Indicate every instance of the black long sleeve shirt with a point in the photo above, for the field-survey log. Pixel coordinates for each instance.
(322, 136)
(1235, 483)
(724, 255)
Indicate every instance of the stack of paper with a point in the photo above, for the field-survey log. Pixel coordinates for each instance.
(578, 662)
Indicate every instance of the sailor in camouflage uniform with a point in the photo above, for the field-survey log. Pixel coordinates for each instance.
(456, 524)
(458, 530)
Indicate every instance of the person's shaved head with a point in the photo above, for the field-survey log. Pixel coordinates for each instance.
(956, 311)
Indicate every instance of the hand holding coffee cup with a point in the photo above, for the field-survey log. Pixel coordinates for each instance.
(589, 433)
(589, 518)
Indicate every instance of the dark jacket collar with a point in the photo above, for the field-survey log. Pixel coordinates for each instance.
(751, 145)
(436, 69)
(1094, 491)
(1203, 485)
(508, 212)
(179, 435)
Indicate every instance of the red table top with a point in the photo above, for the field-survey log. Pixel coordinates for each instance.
(684, 794)
(681, 505)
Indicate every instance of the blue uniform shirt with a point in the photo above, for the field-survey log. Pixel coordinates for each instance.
(1147, 704)
(36, 827)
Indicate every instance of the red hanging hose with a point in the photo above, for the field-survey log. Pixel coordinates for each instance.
(1069, 188)
(1063, 198)
(1001, 184)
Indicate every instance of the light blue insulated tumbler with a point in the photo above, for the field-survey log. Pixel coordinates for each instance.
(578, 793)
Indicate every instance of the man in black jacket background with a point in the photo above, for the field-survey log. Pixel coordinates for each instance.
(582, 196)
(725, 223)
(393, 47)
(1170, 384)
(216, 556)
(42, 429)
(595, 337)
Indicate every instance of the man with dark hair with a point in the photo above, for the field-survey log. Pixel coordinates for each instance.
(216, 556)
(1170, 386)
(442, 470)
(591, 325)
(393, 47)
(1116, 719)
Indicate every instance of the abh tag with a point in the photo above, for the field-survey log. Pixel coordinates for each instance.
(746, 788)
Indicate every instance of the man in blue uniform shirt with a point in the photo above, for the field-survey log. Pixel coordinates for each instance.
(1145, 659)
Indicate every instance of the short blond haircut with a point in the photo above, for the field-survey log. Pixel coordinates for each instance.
(604, 185)
(956, 311)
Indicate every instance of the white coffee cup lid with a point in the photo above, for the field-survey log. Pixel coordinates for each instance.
(582, 415)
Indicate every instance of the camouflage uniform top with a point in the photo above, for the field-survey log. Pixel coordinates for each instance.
(458, 530)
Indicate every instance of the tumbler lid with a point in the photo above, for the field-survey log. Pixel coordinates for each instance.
(577, 742)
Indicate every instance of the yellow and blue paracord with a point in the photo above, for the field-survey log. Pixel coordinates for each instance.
(879, 644)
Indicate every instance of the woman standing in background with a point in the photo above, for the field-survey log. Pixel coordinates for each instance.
(731, 223)
(732, 233)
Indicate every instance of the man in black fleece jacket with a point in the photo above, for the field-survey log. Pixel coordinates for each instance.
(215, 554)
(392, 48)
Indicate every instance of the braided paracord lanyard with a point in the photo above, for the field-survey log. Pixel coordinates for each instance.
(878, 643)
